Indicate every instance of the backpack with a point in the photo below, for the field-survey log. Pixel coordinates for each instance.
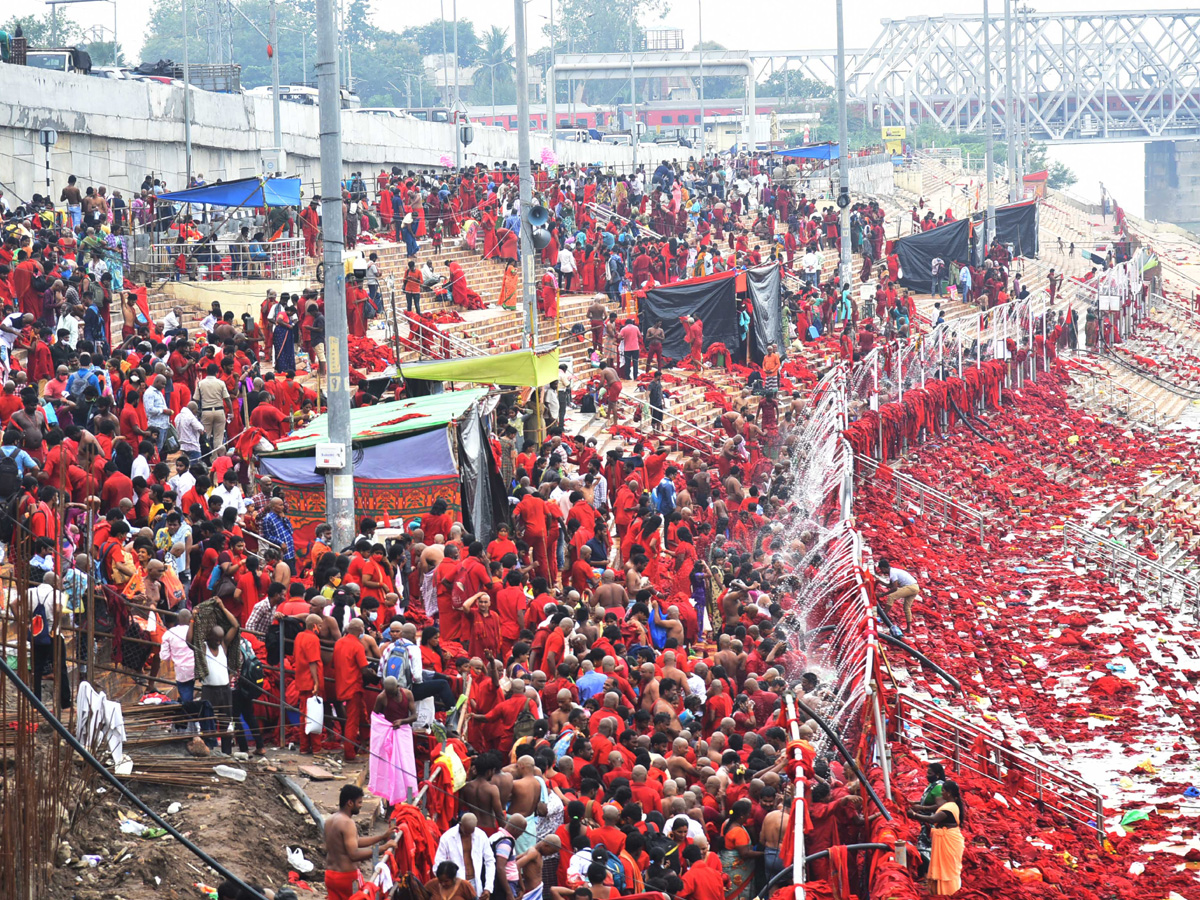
(395, 666)
(10, 474)
(614, 865)
(251, 676)
(523, 727)
(291, 627)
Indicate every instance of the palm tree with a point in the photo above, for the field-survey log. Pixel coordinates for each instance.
(496, 55)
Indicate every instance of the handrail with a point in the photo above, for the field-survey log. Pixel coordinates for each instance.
(1187, 393)
(1123, 557)
(969, 746)
(1116, 387)
(926, 492)
(699, 429)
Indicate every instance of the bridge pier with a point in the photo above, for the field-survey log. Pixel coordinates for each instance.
(1173, 182)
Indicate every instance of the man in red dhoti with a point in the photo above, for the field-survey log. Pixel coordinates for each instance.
(356, 298)
(309, 226)
(457, 282)
(548, 295)
(693, 333)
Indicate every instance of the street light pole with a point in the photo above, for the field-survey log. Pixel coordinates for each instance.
(1009, 114)
(703, 141)
(987, 122)
(458, 160)
(633, 135)
(339, 484)
(187, 100)
(275, 87)
(526, 174)
(552, 84)
(843, 151)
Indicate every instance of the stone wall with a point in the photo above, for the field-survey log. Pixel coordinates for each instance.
(115, 132)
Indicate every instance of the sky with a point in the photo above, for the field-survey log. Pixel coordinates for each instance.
(776, 25)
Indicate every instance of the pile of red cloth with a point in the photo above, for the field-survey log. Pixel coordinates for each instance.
(368, 355)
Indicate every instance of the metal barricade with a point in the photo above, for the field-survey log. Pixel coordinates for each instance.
(1170, 587)
(959, 745)
(228, 260)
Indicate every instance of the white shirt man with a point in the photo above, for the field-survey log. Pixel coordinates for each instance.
(231, 494)
(189, 429)
(450, 849)
(566, 261)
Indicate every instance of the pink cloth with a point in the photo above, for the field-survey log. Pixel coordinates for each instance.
(393, 765)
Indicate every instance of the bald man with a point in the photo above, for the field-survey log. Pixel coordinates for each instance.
(310, 671)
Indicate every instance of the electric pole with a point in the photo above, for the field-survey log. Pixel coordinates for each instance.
(339, 481)
(275, 89)
(843, 198)
(525, 173)
(1009, 113)
(987, 123)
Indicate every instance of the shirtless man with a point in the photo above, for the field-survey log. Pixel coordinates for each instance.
(431, 557)
(481, 796)
(562, 715)
(668, 697)
(610, 595)
(344, 849)
(773, 826)
(649, 685)
(611, 382)
(526, 800)
(670, 670)
(529, 866)
(674, 626)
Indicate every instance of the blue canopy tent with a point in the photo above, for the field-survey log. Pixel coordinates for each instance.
(253, 191)
(814, 151)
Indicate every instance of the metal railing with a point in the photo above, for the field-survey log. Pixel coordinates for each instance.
(715, 440)
(930, 500)
(1172, 588)
(225, 260)
(1133, 403)
(961, 745)
(430, 341)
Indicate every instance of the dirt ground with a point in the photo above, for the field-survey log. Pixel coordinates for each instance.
(245, 826)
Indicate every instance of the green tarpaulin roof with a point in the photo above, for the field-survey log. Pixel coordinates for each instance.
(384, 420)
(520, 368)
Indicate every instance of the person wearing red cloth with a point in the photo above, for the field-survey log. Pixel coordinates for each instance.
(693, 333)
(511, 606)
(269, 418)
(437, 522)
(608, 834)
(501, 719)
(41, 364)
(310, 228)
(344, 848)
(501, 546)
(484, 624)
(828, 818)
(356, 305)
(310, 673)
(531, 514)
(349, 666)
(450, 620)
(704, 878)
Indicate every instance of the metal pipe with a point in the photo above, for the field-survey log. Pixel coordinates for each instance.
(987, 123)
(843, 149)
(633, 135)
(339, 486)
(458, 160)
(187, 98)
(703, 142)
(526, 174)
(1009, 115)
(277, 124)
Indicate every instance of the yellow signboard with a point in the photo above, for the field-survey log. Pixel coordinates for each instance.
(893, 138)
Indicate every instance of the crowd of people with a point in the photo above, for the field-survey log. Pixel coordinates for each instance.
(612, 661)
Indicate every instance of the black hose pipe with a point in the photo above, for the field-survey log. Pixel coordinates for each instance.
(846, 756)
(923, 659)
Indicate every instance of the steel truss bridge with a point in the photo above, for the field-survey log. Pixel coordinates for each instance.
(1128, 75)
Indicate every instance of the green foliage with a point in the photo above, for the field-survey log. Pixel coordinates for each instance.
(428, 39)
(719, 86)
(38, 30)
(793, 85)
(1060, 176)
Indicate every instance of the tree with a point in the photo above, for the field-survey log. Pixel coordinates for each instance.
(39, 30)
(719, 86)
(496, 62)
(793, 85)
(1060, 176)
(428, 38)
(359, 30)
(607, 31)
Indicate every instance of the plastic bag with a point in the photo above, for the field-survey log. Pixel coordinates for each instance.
(314, 715)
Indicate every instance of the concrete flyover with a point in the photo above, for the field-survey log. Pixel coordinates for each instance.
(115, 132)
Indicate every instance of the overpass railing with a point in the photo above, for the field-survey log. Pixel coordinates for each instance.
(944, 737)
(1170, 587)
(929, 500)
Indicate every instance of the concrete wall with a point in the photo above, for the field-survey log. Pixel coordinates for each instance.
(1173, 182)
(114, 132)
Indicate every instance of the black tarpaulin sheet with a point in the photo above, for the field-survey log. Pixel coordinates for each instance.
(916, 252)
(1016, 225)
(712, 300)
(763, 284)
